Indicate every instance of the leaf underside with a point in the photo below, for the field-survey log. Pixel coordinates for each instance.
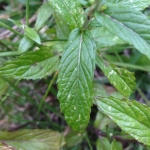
(132, 116)
(75, 79)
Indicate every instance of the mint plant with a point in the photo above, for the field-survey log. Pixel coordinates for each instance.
(85, 33)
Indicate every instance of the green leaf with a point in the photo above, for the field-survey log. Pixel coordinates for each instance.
(17, 23)
(117, 19)
(62, 28)
(132, 116)
(115, 145)
(75, 79)
(33, 139)
(25, 44)
(32, 65)
(73, 139)
(44, 13)
(103, 144)
(104, 38)
(138, 4)
(71, 11)
(31, 33)
(120, 78)
(3, 86)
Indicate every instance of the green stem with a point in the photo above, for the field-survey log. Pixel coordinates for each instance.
(19, 90)
(145, 68)
(89, 143)
(92, 9)
(11, 29)
(6, 54)
(48, 89)
(143, 96)
(119, 58)
(27, 12)
(28, 97)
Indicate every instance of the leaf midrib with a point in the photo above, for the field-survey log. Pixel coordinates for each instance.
(126, 113)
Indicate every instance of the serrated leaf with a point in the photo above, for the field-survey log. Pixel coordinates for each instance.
(117, 19)
(138, 4)
(115, 145)
(44, 13)
(33, 139)
(75, 79)
(32, 65)
(71, 11)
(120, 78)
(25, 44)
(132, 116)
(32, 34)
(3, 86)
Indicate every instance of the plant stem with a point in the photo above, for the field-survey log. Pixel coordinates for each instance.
(143, 96)
(92, 9)
(89, 143)
(27, 12)
(48, 89)
(132, 66)
(11, 29)
(5, 54)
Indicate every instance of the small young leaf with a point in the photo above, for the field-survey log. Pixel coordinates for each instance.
(117, 19)
(120, 78)
(75, 79)
(103, 144)
(31, 33)
(115, 145)
(32, 65)
(25, 44)
(33, 139)
(44, 13)
(71, 11)
(132, 116)
(17, 23)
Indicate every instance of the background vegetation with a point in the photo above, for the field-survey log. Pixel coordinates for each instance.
(20, 103)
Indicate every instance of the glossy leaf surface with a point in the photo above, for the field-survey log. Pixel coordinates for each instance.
(75, 79)
(132, 116)
(130, 25)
